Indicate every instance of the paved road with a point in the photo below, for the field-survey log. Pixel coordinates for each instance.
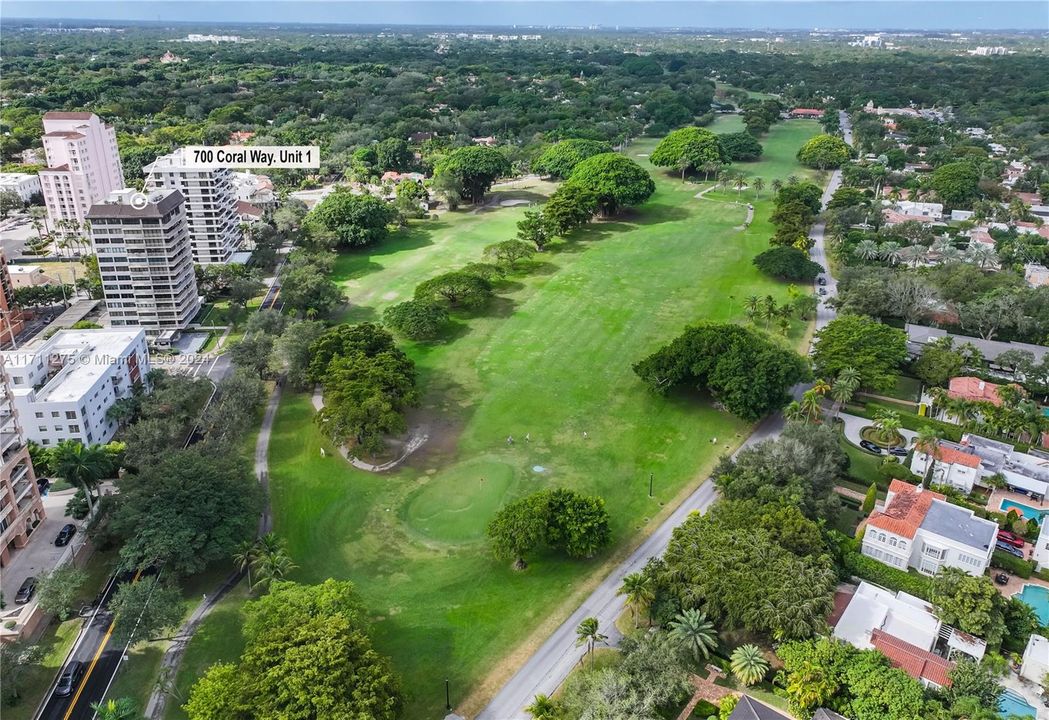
(549, 666)
(101, 657)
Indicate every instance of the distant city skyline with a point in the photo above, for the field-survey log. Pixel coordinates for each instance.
(932, 15)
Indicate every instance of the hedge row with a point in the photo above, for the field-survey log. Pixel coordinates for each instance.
(1017, 566)
(877, 572)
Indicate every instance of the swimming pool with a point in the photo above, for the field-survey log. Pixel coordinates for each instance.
(1037, 597)
(1026, 510)
(1012, 705)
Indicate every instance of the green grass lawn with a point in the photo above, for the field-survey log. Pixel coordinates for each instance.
(551, 360)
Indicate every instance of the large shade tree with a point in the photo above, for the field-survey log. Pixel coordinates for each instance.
(615, 181)
(473, 169)
(689, 148)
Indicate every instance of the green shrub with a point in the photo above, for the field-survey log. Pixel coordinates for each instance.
(1017, 566)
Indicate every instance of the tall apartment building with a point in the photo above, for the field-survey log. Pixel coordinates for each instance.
(20, 507)
(83, 164)
(211, 205)
(145, 260)
(11, 318)
(64, 387)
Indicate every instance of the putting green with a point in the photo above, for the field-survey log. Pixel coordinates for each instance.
(455, 505)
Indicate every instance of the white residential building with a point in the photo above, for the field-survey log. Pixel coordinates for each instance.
(211, 205)
(919, 529)
(920, 209)
(1040, 552)
(950, 464)
(23, 185)
(905, 629)
(83, 164)
(64, 386)
(145, 260)
(1035, 659)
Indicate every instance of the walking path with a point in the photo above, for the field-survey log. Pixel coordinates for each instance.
(172, 659)
(416, 439)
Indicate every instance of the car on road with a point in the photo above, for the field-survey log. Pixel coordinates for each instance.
(870, 447)
(1011, 538)
(822, 280)
(25, 591)
(69, 679)
(65, 535)
(898, 451)
(823, 291)
(1007, 548)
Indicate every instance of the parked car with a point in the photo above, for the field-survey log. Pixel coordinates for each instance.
(1006, 547)
(1011, 538)
(1001, 579)
(870, 447)
(25, 591)
(69, 679)
(822, 280)
(823, 291)
(65, 534)
(898, 451)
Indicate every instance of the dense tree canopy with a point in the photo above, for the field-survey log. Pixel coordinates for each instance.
(474, 170)
(689, 148)
(307, 654)
(352, 220)
(956, 184)
(855, 341)
(825, 152)
(741, 146)
(561, 158)
(788, 263)
(741, 367)
(614, 180)
(562, 519)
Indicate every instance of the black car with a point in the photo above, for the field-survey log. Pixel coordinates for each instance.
(870, 447)
(65, 535)
(25, 592)
(898, 451)
(1007, 548)
(823, 281)
(823, 291)
(1001, 579)
(69, 679)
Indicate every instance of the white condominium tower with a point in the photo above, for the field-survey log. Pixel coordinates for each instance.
(144, 258)
(211, 205)
(83, 164)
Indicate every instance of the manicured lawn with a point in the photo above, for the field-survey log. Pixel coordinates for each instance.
(863, 466)
(551, 360)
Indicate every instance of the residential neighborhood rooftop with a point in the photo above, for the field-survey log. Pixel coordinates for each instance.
(918, 663)
(960, 525)
(905, 509)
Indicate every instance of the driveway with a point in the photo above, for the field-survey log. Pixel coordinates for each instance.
(40, 555)
(853, 424)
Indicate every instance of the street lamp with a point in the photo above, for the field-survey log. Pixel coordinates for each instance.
(447, 697)
(651, 476)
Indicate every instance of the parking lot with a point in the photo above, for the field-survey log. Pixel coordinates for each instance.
(40, 556)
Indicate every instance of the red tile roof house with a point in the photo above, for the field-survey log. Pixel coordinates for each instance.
(920, 664)
(950, 464)
(919, 529)
(806, 113)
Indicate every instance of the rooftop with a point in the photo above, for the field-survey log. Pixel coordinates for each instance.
(975, 389)
(750, 709)
(905, 510)
(874, 608)
(118, 205)
(67, 134)
(913, 660)
(990, 349)
(58, 115)
(955, 456)
(960, 525)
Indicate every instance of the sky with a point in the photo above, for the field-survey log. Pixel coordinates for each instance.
(712, 14)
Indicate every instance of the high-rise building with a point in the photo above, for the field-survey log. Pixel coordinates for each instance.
(211, 205)
(11, 319)
(20, 507)
(145, 260)
(83, 164)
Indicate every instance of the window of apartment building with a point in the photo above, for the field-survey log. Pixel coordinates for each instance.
(41, 428)
(45, 441)
(54, 413)
(74, 428)
(17, 379)
(39, 415)
(58, 428)
(70, 414)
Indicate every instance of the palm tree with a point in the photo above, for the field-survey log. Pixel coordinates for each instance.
(271, 560)
(887, 422)
(849, 376)
(752, 305)
(740, 183)
(748, 664)
(694, 632)
(121, 709)
(543, 708)
(84, 466)
(981, 254)
(244, 556)
(792, 179)
(587, 634)
(758, 184)
(866, 250)
(767, 311)
(784, 326)
(638, 591)
(821, 387)
(890, 252)
(777, 185)
(912, 255)
(925, 441)
(810, 405)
